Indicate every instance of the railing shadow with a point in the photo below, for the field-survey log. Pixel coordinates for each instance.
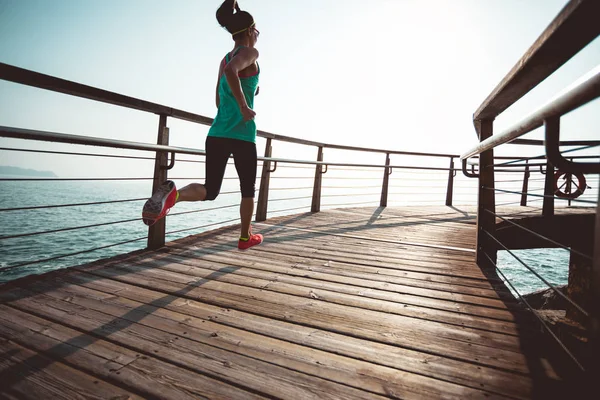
(23, 370)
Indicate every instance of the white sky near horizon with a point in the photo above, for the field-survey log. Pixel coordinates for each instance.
(395, 74)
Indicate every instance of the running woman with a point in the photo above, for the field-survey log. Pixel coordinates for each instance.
(233, 130)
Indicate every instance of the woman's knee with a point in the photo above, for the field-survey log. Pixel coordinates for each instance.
(248, 190)
(211, 194)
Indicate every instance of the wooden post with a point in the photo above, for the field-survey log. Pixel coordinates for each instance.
(156, 233)
(594, 326)
(450, 189)
(263, 194)
(548, 206)
(525, 184)
(551, 124)
(486, 199)
(316, 199)
(386, 182)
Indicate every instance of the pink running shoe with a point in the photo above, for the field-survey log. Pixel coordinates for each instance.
(255, 239)
(157, 206)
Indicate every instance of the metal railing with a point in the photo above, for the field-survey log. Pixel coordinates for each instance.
(286, 172)
(172, 155)
(572, 30)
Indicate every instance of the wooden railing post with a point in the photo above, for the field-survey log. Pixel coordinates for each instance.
(595, 290)
(156, 233)
(449, 191)
(486, 200)
(525, 184)
(263, 194)
(386, 182)
(316, 199)
(548, 207)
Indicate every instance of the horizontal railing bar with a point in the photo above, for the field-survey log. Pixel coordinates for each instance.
(352, 194)
(534, 312)
(199, 179)
(291, 198)
(535, 142)
(98, 155)
(416, 194)
(203, 210)
(358, 178)
(350, 187)
(534, 272)
(291, 177)
(391, 152)
(54, 84)
(74, 228)
(540, 195)
(562, 246)
(203, 226)
(573, 29)
(541, 164)
(71, 254)
(543, 156)
(348, 169)
(570, 99)
(292, 188)
(350, 204)
(77, 154)
(70, 205)
(71, 179)
(29, 134)
(296, 166)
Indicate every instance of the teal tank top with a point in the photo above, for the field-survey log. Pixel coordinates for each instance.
(229, 122)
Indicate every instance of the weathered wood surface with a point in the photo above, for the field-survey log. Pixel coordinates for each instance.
(360, 303)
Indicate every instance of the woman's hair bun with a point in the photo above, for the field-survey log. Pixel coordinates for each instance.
(232, 18)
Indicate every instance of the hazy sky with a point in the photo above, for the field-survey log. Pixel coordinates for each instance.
(399, 74)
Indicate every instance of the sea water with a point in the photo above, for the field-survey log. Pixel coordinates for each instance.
(287, 197)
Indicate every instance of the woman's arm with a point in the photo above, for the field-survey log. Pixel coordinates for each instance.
(242, 60)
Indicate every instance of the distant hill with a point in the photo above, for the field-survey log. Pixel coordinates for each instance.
(6, 170)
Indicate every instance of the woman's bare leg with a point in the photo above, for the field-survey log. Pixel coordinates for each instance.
(192, 192)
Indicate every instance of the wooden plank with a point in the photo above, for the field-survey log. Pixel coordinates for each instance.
(378, 261)
(104, 360)
(344, 294)
(466, 272)
(397, 269)
(508, 383)
(27, 375)
(433, 291)
(462, 273)
(373, 378)
(418, 315)
(417, 279)
(450, 342)
(168, 342)
(416, 231)
(334, 278)
(312, 241)
(314, 313)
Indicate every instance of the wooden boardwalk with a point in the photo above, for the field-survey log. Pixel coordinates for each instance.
(361, 303)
